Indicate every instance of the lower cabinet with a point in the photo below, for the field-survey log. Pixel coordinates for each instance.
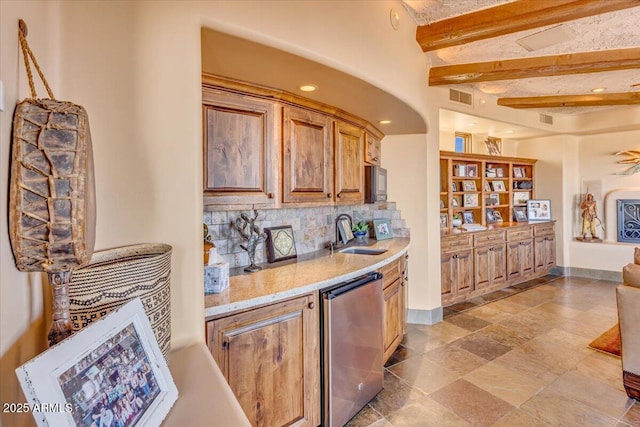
(270, 357)
(456, 270)
(394, 289)
(473, 264)
(490, 266)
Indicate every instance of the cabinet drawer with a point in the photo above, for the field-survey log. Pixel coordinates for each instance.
(488, 238)
(543, 229)
(448, 243)
(391, 272)
(522, 233)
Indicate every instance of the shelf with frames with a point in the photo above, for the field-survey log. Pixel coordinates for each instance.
(497, 183)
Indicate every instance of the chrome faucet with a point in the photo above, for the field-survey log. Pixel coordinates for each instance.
(338, 218)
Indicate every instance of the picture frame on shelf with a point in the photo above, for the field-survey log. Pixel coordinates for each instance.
(73, 374)
(499, 173)
(454, 187)
(281, 244)
(495, 197)
(517, 172)
(490, 217)
(472, 171)
(468, 218)
(441, 204)
(498, 186)
(468, 186)
(520, 214)
(344, 229)
(490, 172)
(460, 170)
(470, 200)
(539, 210)
(455, 202)
(497, 216)
(487, 186)
(520, 197)
(444, 221)
(382, 229)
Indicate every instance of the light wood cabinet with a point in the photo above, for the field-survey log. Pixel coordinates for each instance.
(270, 357)
(348, 163)
(372, 149)
(240, 149)
(490, 265)
(544, 247)
(519, 259)
(307, 157)
(456, 269)
(393, 288)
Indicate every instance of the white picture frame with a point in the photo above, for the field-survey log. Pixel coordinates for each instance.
(539, 210)
(468, 185)
(517, 172)
(498, 186)
(470, 200)
(74, 376)
(520, 197)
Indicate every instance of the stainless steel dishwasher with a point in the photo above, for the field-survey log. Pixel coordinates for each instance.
(351, 336)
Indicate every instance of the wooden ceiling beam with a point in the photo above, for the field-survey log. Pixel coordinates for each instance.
(557, 101)
(542, 66)
(510, 18)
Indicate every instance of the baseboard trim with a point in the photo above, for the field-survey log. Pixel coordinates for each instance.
(614, 276)
(425, 317)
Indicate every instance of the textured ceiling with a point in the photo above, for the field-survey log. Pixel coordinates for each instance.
(612, 30)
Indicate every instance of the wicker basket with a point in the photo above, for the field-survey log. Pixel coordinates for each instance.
(118, 275)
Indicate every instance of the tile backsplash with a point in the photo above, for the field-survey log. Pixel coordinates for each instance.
(313, 228)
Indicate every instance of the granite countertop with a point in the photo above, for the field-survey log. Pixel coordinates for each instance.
(292, 279)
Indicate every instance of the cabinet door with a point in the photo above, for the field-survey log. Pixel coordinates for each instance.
(514, 265)
(498, 264)
(372, 150)
(447, 274)
(307, 157)
(539, 254)
(393, 320)
(240, 149)
(526, 256)
(463, 279)
(482, 262)
(348, 163)
(550, 244)
(270, 358)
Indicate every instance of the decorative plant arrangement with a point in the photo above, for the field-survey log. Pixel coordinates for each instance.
(360, 230)
(250, 232)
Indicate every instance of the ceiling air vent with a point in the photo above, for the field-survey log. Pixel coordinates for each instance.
(547, 119)
(461, 97)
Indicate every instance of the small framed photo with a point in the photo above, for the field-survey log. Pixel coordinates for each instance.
(487, 186)
(441, 204)
(280, 243)
(470, 200)
(517, 172)
(490, 217)
(497, 216)
(499, 173)
(455, 202)
(444, 221)
(467, 218)
(495, 198)
(520, 214)
(520, 197)
(454, 187)
(468, 186)
(112, 365)
(539, 210)
(490, 172)
(472, 171)
(498, 186)
(344, 228)
(382, 228)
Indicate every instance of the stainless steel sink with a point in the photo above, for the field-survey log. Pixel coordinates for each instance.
(362, 251)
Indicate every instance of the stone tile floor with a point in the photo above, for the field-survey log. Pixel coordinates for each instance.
(517, 357)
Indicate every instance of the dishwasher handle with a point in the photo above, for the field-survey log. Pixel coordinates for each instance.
(349, 286)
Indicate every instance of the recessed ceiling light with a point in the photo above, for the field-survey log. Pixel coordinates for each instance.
(471, 124)
(508, 131)
(308, 88)
(384, 122)
(597, 90)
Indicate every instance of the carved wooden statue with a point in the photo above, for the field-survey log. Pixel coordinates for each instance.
(589, 214)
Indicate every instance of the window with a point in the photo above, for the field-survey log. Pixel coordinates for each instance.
(463, 142)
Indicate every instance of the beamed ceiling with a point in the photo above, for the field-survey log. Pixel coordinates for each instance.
(476, 45)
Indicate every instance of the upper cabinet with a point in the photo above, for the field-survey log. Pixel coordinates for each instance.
(307, 157)
(240, 149)
(264, 148)
(349, 165)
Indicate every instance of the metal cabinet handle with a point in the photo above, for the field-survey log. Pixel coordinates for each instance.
(329, 195)
(270, 195)
(311, 305)
(339, 195)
